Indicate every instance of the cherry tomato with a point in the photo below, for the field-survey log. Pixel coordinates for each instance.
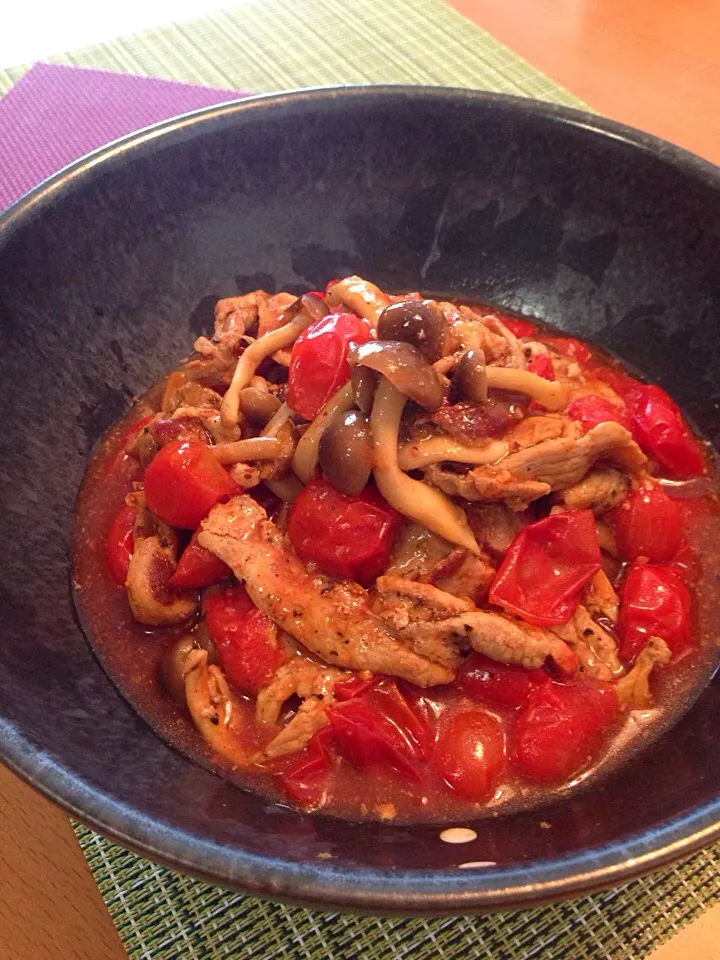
(569, 347)
(498, 684)
(659, 428)
(119, 543)
(654, 603)
(348, 537)
(592, 409)
(396, 709)
(470, 753)
(198, 567)
(546, 566)
(560, 730)
(184, 482)
(366, 739)
(354, 687)
(244, 637)
(468, 422)
(319, 362)
(521, 328)
(615, 377)
(542, 366)
(648, 524)
(304, 779)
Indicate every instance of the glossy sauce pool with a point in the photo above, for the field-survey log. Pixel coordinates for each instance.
(131, 652)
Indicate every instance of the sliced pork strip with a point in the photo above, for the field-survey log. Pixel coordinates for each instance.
(342, 634)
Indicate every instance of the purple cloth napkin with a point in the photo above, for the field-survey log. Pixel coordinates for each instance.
(56, 114)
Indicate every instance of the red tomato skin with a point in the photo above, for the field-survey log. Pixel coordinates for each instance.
(615, 377)
(560, 729)
(648, 524)
(183, 483)
(348, 537)
(654, 602)
(305, 778)
(659, 428)
(470, 753)
(592, 409)
(569, 347)
(244, 637)
(366, 739)
(542, 366)
(319, 364)
(198, 567)
(546, 566)
(119, 543)
(498, 684)
(354, 687)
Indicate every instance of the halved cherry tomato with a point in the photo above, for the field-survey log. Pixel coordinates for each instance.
(319, 362)
(244, 637)
(305, 778)
(184, 482)
(119, 543)
(654, 603)
(546, 566)
(398, 710)
(560, 730)
(542, 366)
(498, 684)
(348, 537)
(592, 409)
(659, 428)
(648, 524)
(367, 739)
(521, 328)
(198, 567)
(470, 753)
(569, 347)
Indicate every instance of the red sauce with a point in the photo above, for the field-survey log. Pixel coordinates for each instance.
(131, 654)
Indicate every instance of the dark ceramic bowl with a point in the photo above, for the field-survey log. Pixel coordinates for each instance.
(111, 268)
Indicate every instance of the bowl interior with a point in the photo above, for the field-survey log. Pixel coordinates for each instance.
(108, 274)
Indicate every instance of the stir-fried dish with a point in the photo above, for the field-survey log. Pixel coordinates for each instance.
(398, 558)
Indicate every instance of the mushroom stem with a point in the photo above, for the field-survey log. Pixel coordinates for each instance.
(251, 359)
(255, 448)
(287, 488)
(412, 498)
(278, 420)
(307, 451)
(421, 453)
(361, 297)
(552, 395)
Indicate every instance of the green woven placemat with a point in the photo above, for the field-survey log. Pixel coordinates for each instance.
(270, 45)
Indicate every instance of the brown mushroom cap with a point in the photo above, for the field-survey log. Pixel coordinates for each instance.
(346, 453)
(469, 380)
(404, 366)
(419, 323)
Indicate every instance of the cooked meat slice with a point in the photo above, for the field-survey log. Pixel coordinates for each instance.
(310, 717)
(495, 526)
(533, 430)
(564, 462)
(298, 677)
(209, 419)
(189, 393)
(401, 602)
(550, 465)
(601, 490)
(155, 546)
(237, 314)
(217, 360)
(499, 637)
(343, 633)
(214, 710)
(634, 688)
(600, 598)
(463, 574)
(487, 483)
(594, 647)
(270, 312)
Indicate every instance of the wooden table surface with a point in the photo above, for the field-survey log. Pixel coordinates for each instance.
(653, 65)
